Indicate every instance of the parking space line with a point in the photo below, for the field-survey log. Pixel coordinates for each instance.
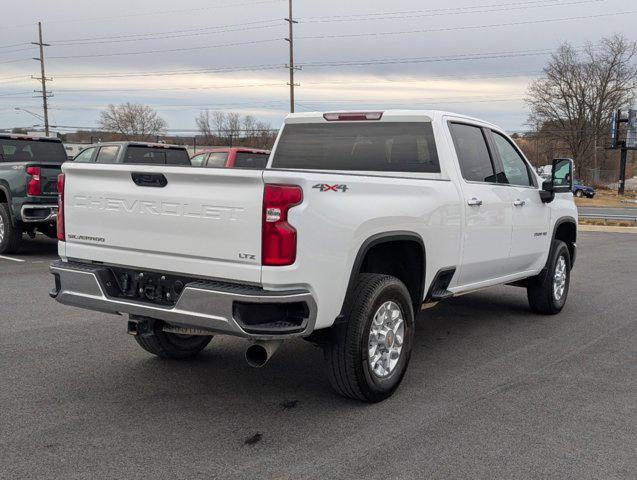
(12, 259)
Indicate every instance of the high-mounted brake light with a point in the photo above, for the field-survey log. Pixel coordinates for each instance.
(278, 236)
(352, 116)
(34, 187)
(60, 219)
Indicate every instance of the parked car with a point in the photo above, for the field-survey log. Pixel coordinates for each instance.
(232, 157)
(29, 167)
(140, 153)
(358, 221)
(580, 190)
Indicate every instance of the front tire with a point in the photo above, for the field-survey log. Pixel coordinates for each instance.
(547, 292)
(171, 345)
(10, 234)
(367, 356)
(579, 194)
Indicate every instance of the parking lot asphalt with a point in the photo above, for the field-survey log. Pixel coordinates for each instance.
(492, 391)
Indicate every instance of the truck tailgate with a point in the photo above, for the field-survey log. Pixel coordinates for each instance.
(202, 222)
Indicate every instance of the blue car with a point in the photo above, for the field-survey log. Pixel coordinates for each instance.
(581, 190)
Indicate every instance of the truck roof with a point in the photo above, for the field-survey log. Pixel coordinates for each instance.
(387, 115)
(19, 136)
(233, 149)
(140, 144)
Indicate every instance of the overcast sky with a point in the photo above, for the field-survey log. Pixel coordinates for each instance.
(475, 57)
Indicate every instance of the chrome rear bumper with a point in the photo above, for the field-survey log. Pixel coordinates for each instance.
(209, 306)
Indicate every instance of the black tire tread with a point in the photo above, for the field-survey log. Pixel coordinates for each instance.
(540, 289)
(13, 235)
(340, 352)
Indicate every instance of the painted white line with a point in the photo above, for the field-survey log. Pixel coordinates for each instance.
(12, 259)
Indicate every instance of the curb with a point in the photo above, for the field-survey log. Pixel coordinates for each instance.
(607, 229)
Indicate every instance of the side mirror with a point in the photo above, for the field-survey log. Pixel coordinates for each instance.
(561, 179)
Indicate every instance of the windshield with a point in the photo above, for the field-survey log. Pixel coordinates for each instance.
(16, 150)
(385, 146)
(156, 155)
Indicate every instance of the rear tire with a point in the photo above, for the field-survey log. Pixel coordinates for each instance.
(548, 291)
(579, 194)
(378, 303)
(171, 345)
(10, 234)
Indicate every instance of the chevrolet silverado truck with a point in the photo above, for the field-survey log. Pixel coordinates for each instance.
(29, 167)
(359, 221)
(141, 153)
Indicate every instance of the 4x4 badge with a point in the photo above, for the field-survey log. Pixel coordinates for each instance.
(324, 187)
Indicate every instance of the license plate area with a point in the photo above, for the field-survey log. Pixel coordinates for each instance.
(143, 286)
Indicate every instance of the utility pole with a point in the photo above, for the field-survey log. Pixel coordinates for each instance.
(291, 66)
(42, 78)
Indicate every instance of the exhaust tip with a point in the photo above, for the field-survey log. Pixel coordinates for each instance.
(257, 355)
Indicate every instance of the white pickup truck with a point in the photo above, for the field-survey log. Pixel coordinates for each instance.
(358, 221)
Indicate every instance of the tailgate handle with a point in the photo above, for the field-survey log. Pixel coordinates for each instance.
(149, 179)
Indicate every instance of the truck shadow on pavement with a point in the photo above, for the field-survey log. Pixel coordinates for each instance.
(295, 375)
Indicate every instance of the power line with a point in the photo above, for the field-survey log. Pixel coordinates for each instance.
(492, 8)
(465, 27)
(146, 89)
(164, 73)
(184, 49)
(265, 67)
(167, 12)
(191, 32)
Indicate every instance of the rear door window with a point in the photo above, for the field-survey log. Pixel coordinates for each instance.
(217, 159)
(473, 153)
(364, 146)
(251, 160)
(156, 155)
(107, 154)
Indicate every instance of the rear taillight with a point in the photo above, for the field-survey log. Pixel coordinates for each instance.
(34, 187)
(279, 237)
(60, 219)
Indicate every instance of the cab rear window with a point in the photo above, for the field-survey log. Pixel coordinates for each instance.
(364, 146)
(156, 156)
(41, 151)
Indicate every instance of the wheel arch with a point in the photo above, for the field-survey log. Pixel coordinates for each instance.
(565, 229)
(369, 259)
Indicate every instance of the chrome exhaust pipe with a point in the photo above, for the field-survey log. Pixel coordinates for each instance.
(258, 354)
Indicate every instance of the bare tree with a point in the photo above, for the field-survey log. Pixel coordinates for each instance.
(572, 103)
(230, 128)
(132, 121)
(204, 124)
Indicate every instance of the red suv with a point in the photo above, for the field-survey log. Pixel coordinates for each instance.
(231, 157)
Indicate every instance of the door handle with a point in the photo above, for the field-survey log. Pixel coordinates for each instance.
(474, 202)
(519, 203)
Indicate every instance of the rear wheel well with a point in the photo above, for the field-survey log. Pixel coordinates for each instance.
(403, 259)
(567, 232)
(3, 196)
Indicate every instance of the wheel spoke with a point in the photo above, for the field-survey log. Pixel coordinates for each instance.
(385, 342)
